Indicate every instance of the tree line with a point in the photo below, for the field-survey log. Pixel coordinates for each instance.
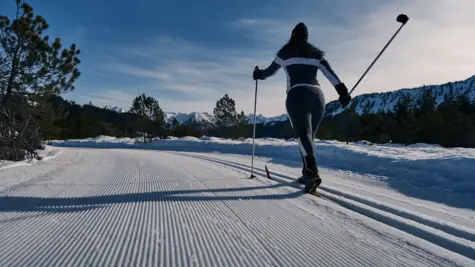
(144, 119)
(422, 120)
(449, 124)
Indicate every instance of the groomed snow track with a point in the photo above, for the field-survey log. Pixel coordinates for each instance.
(124, 207)
(455, 238)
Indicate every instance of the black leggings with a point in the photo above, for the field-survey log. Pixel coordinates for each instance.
(306, 107)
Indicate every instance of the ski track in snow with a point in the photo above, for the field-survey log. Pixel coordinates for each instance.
(116, 207)
(440, 231)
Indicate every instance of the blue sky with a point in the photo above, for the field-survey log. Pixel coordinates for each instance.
(188, 54)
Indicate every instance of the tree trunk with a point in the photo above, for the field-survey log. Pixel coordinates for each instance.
(10, 80)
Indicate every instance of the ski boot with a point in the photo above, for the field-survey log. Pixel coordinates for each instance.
(312, 183)
(313, 179)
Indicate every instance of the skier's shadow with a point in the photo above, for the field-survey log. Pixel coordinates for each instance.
(77, 204)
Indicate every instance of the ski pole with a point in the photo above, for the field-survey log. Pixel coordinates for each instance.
(402, 18)
(254, 131)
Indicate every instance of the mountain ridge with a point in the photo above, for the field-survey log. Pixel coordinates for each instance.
(364, 103)
(386, 101)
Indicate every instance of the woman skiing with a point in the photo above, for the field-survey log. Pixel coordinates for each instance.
(305, 101)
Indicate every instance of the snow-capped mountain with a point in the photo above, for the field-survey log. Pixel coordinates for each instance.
(266, 120)
(116, 109)
(119, 110)
(189, 117)
(208, 117)
(372, 103)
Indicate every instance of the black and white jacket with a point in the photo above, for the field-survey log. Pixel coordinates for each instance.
(301, 70)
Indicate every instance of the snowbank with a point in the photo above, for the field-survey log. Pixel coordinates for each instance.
(419, 165)
(46, 154)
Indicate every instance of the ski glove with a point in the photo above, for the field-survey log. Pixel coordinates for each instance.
(344, 98)
(257, 74)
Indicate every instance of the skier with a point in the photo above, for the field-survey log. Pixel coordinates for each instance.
(305, 101)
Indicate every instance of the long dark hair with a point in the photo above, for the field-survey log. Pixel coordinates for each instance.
(298, 40)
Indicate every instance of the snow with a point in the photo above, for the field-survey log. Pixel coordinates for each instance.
(416, 166)
(119, 110)
(207, 117)
(116, 109)
(189, 201)
(139, 207)
(446, 226)
(46, 154)
(266, 120)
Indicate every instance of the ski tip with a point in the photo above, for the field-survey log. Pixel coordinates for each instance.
(268, 173)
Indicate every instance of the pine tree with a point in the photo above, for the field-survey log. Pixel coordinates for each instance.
(403, 106)
(148, 107)
(225, 112)
(32, 70)
(427, 102)
(30, 63)
(464, 105)
(242, 127)
(429, 120)
(175, 123)
(241, 118)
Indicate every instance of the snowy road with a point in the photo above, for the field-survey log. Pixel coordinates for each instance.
(119, 207)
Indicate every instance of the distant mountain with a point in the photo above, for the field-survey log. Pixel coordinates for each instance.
(208, 118)
(369, 103)
(372, 103)
(116, 109)
(189, 117)
(266, 120)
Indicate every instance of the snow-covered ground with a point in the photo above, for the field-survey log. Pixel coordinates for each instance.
(188, 202)
(445, 172)
(48, 153)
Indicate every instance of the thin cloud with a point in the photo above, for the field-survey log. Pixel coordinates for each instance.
(128, 69)
(190, 72)
(111, 97)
